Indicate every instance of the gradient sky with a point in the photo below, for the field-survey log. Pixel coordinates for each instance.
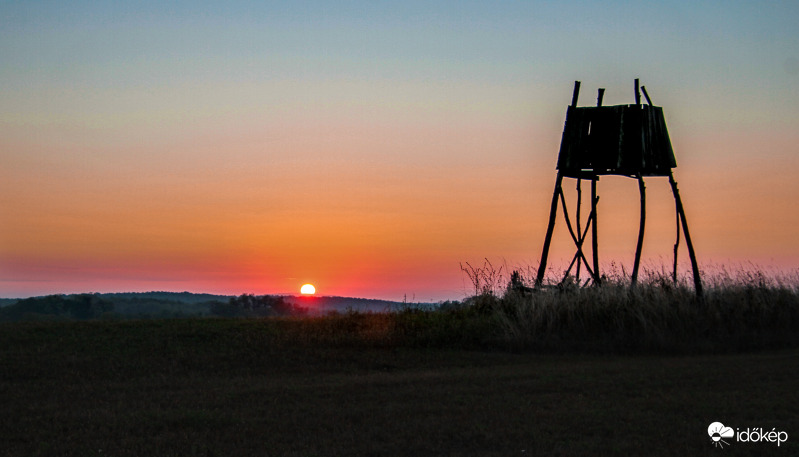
(371, 147)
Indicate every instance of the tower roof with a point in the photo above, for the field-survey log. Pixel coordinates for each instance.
(615, 140)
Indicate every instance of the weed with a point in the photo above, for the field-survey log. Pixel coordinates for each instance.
(486, 280)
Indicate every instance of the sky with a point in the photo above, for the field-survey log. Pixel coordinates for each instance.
(372, 148)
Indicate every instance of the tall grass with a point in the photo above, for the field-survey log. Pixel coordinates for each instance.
(747, 310)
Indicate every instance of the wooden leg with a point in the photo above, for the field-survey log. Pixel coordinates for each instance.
(640, 245)
(676, 247)
(577, 220)
(553, 212)
(594, 241)
(578, 238)
(691, 253)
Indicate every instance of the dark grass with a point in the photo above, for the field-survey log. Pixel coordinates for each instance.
(339, 386)
(566, 371)
(738, 312)
(650, 319)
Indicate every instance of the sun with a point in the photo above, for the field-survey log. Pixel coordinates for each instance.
(308, 289)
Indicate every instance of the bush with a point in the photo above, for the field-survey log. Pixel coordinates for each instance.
(83, 306)
(248, 305)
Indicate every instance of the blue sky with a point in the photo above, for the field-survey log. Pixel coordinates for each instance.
(413, 119)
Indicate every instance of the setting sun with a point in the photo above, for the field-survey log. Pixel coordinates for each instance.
(308, 289)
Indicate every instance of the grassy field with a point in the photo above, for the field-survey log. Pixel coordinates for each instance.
(354, 385)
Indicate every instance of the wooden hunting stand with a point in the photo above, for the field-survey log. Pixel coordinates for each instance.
(624, 140)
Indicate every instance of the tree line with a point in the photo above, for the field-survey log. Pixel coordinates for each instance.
(111, 306)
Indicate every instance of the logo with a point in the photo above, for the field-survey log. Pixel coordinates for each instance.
(718, 432)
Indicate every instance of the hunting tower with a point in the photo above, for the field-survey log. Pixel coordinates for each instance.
(624, 140)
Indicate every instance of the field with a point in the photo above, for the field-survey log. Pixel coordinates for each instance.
(257, 387)
(565, 371)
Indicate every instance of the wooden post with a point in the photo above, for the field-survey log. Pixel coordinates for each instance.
(642, 224)
(594, 241)
(691, 253)
(576, 93)
(579, 256)
(637, 92)
(579, 237)
(594, 200)
(648, 100)
(577, 217)
(553, 213)
(553, 207)
(676, 246)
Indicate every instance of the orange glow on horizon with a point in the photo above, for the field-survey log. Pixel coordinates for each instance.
(366, 224)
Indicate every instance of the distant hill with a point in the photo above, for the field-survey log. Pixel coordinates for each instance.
(180, 297)
(315, 304)
(110, 306)
(144, 305)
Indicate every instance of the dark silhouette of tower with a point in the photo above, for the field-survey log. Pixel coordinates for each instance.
(624, 140)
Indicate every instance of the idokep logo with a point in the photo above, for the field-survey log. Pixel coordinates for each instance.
(717, 432)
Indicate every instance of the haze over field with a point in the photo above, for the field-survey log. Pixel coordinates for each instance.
(369, 148)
